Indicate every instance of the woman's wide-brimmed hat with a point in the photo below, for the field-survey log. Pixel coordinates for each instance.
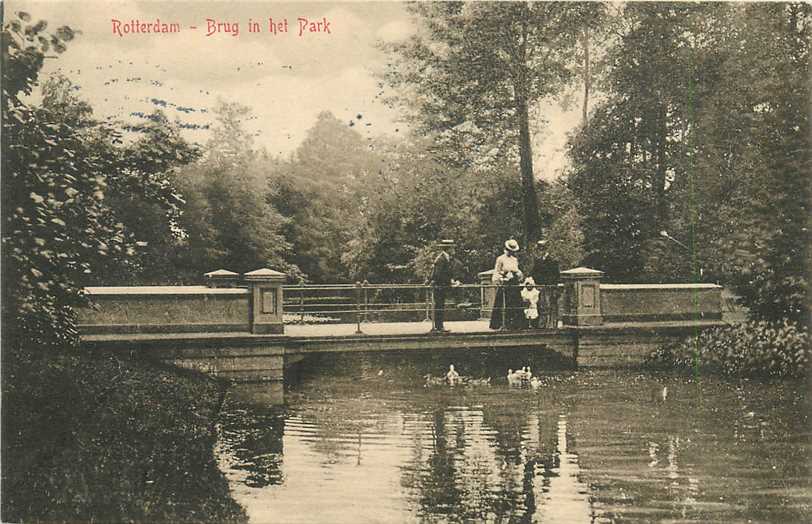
(511, 245)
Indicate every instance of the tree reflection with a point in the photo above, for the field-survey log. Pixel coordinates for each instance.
(508, 454)
(481, 464)
(439, 493)
(252, 439)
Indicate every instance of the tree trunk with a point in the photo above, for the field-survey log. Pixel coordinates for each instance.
(529, 197)
(659, 185)
(587, 79)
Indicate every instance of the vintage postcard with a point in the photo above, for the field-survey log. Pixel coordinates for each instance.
(373, 262)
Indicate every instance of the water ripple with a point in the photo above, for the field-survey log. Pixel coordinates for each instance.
(589, 447)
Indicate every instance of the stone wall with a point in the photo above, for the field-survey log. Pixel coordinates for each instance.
(619, 345)
(660, 302)
(165, 309)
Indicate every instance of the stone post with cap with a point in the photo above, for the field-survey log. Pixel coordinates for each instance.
(582, 298)
(266, 311)
(221, 278)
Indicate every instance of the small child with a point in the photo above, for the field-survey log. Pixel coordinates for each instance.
(530, 295)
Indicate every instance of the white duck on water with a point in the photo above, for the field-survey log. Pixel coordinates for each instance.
(514, 378)
(452, 376)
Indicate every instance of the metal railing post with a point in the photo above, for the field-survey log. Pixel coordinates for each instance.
(366, 300)
(482, 300)
(504, 307)
(358, 308)
(429, 300)
(301, 301)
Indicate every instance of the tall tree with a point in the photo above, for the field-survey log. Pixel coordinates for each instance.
(318, 191)
(141, 190)
(226, 221)
(704, 133)
(664, 64)
(144, 192)
(474, 71)
(762, 144)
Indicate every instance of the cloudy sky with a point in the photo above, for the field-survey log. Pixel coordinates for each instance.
(287, 79)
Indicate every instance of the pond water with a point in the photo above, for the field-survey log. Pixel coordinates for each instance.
(362, 439)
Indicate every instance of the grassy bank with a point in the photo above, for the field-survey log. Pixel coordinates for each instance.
(105, 439)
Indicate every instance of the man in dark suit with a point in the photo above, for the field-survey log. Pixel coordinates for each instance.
(546, 272)
(440, 281)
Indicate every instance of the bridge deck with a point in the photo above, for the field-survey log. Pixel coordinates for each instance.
(382, 329)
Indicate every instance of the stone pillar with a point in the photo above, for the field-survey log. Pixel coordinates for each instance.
(266, 301)
(582, 299)
(487, 293)
(221, 278)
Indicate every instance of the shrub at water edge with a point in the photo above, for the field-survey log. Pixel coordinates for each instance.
(755, 348)
(103, 439)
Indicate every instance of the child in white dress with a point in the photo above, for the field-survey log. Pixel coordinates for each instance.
(530, 295)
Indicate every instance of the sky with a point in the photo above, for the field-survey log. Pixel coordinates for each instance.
(286, 78)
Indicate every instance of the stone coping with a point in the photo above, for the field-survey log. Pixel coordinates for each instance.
(663, 287)
(164, 290)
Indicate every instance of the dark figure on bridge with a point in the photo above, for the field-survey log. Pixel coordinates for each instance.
(546, 272)
(441, 281)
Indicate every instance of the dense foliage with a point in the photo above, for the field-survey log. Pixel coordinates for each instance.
(52, 196)
(703, 133)
(87, 438)
(749, 349)
(77, 204)
(320, 191)
(227, 221)
(90, 439)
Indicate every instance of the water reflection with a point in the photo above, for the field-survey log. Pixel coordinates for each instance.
(252, 445)
(367, 442)
(563, 497)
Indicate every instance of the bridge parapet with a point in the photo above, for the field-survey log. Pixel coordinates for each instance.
(220, 306)
(164, 309)
(588, 302)
(660, 302)
(221, 278)
(258, 304)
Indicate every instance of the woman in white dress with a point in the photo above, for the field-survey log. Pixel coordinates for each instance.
(507, 307)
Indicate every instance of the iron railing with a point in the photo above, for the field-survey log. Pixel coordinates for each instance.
(365, 302)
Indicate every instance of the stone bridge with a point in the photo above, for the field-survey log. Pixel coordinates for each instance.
(235, 327)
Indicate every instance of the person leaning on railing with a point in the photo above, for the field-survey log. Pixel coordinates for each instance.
(546, 272)
(440, 281)
(507, 308)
